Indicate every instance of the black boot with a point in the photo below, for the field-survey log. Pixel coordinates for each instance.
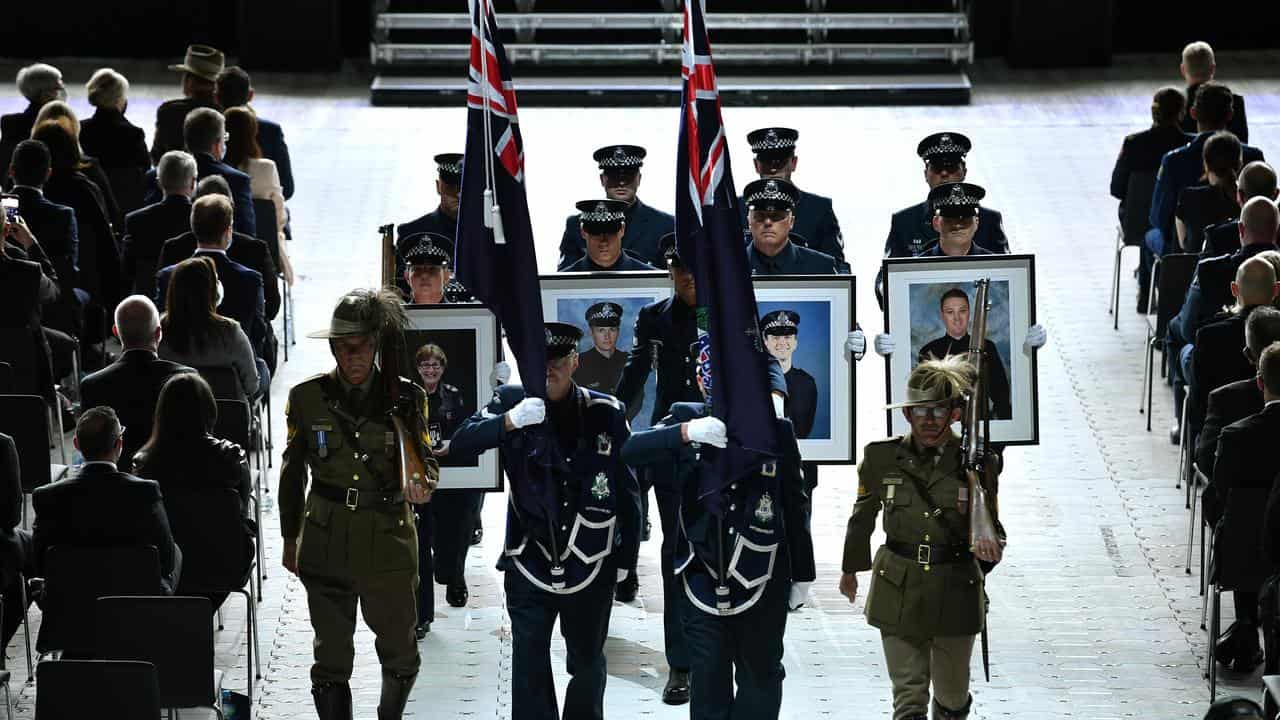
(626, 590)
(395, 693)
(456, 593)
(942, 713)
(333, 700)
(677, 690)
(1239, 649)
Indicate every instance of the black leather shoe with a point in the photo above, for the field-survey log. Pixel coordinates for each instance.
(333, 700)
(456, 594)
(626, 590)
(1175, 434)
(1143, 295)
(477, 535)
(648, 530)
(677, 690)
(421, 630)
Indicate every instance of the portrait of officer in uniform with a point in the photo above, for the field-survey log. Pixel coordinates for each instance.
(600, 367)
(781, 330)
(572, 526)
(604, 230)
(738, 573)
(954, 311)
(351, 538)
(816, 226)
(620, 178)
(770, 218)
(927, 595)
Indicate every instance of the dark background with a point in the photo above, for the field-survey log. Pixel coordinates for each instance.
(316, 35)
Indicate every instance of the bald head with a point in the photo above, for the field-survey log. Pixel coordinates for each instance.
(1257, 179)
(1255, 283)
(137, 323)
(1258, 222)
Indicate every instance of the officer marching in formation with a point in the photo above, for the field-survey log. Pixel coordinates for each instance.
(566, 563)
(443, 220)
(771, 216)
(600, 367)
(352, 541)
(816, 226)
(603, 227)
(427, 258)
(620, 177)
(927, 594)
(734, 615)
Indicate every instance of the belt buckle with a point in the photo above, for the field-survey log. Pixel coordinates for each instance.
(924, 554)
(353, 499)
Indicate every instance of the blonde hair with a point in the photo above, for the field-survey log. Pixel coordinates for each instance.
(60, 112)
(107, 89)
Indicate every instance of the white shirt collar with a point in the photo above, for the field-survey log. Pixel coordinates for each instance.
(108, 463)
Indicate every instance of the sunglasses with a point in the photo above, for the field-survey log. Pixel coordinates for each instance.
(938, 412)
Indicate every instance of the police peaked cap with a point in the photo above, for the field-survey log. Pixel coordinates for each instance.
(427, 248)
(562, 339)
(620, 157)
(449, 166)
(944, 145)
(775, 141)
(604, 314)
(780, 322)
(957, 199)
(771, 194)
(601, 216)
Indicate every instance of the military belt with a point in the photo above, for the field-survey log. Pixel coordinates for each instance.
(929, 554)
(357, 499)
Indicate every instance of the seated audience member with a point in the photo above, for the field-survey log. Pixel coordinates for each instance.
(1210, 288)
(132, 383)
(195, 334)
(39, 84)
(108, 135)
(1200, 206)
(56, 227)
(241, 296)
(1246, 458)
(99, 258)
(28, 281)
(1215, 358)
(1199, 67)
(99, 506)
(235, 89)
(15, 543)
(1141, 152)
(199, 70)
(205, 133)
(147, 228)
(1242, 398)
(1257, 179)
(247, 250)
(60, 112)
(244, 154)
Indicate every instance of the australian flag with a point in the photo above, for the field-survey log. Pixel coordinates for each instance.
(709, 233)
(496, 258)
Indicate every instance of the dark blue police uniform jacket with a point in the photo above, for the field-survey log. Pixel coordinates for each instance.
(434, 221)
(625, 262)
(815, 222)
(1180, 169)
(764, 517)
(793, 259)
(911, 231)
(645, 227)
(934, 250)
(596, 498)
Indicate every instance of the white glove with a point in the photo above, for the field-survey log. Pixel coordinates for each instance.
(709, 431)
(499, 375)
(779, 405)
(622, 575)
(529, 411)
(799, 595)
(1037, 336)
(856, 344)
(884, 344)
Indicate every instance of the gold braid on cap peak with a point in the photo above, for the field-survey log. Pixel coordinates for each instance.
(948, 377)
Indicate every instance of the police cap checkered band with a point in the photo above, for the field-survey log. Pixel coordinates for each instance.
(780, 322)
(771, 192)
(428, 248)
(604, 314)
(944, 144)
(449, 165)
(772, 139)
(562, 339)
(619, 156)
(600, 212)
(956, 198)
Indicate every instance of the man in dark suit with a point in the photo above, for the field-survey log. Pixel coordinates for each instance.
(235, 89)
(205, 133)
(39, 84)
(55, 226)
(247, 250)
(28, 281)
(131, 385)
(242, 298)
(1237, 400)
(199, 70)
(1198, 67)
(815, 218)
(1257, 179)
(101, 506)
(147, 228)
(620, 177)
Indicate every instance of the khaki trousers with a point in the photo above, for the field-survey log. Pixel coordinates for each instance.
(914, 662)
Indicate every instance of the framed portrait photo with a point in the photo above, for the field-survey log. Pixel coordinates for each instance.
(928, 310)
(602, 353)
(804, 320)
(451, 351)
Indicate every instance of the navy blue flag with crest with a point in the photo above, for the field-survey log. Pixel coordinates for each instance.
(709, 234)
(495, 254)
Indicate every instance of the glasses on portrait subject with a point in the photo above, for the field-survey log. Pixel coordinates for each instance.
(938, 412)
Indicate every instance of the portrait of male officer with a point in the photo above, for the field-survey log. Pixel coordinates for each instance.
(600, 367)
(781, 329)
(620, 177)
(953, 310)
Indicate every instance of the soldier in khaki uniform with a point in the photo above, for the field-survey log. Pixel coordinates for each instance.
(353, 540)
(927, 594)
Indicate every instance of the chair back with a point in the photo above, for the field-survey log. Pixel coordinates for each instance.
(129, 185)
(265, 213)
(233, 422)
(25, 418)
(1239, 562)
(27, 355)
(75, 577)
(223, 381)
(78, 689)
(208, 526)
(1173, 277)
(1137, 206)
(6, 378)
(173, 633)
